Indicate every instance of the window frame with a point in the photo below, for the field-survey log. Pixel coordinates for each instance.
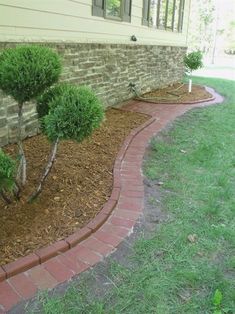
(99, 9)
(180, 18)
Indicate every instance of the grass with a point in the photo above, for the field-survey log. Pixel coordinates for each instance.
(188, 266)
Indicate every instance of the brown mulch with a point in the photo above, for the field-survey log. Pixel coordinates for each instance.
(177, 94)
(76, 189)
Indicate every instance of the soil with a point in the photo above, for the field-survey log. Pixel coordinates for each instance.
(178, 93)
(79, 184)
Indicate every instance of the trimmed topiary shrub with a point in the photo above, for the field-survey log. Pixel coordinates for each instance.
(25, 72)
(67, 113)
(7, 175)
(74, 113)
(192, 62)
(43, 101)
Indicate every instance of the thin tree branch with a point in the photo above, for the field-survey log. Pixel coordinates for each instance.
(17, 190)
(46, 171)
(21, 174)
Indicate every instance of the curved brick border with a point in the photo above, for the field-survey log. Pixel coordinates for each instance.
(42, 255)
(60, 261)
(183, 103)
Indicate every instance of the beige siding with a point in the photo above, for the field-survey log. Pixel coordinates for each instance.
(71, 20)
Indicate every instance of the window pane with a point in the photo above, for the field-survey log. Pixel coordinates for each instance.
(176, 17)
(153, 13)
(113, 8)
(181, 18)
(179, 15)
(170, 11)
(162, 14)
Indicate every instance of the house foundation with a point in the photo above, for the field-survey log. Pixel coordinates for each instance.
(108, 69)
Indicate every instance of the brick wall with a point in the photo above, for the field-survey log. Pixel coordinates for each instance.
(108, 69)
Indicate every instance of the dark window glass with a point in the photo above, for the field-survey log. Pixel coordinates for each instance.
(153, 11)
(113, 8)
(170, 14)
(176, 15)
(164, 14)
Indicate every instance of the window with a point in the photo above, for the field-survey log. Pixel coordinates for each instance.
(112, 9)
(164, 14)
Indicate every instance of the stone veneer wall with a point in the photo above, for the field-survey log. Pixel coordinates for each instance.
(106, 68)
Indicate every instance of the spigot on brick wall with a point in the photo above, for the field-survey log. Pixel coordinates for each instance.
(132, 86)
(133, 38)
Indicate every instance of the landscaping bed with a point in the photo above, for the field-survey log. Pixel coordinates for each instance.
(180, 257)
(79, 184)
(178, 93)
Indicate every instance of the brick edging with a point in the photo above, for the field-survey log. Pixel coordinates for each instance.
(44, 254)
(107, 230)
(212, 98)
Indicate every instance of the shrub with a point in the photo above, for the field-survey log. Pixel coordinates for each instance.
(73, 114)
(25, 71)
(67, 113)
(193, 61)
(44, 100)
(7, 173)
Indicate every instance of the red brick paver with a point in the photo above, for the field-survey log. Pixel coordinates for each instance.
(61, 261)
(23, 285)
(42, 278)
(8, 296)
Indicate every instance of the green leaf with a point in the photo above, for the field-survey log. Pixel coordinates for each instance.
(217, 299)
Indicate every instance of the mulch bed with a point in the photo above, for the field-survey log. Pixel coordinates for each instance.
(79, 184)
(178, 93)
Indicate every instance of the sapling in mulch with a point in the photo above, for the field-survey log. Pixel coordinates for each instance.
(192, 62)
(66, 112)
(25, 72)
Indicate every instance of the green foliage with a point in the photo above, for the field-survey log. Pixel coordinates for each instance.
(193, 61)
(217, 299)
(7, 172)
(201, 26)
(74, 302)
(44, 100)
(73, 114)
(25, 71)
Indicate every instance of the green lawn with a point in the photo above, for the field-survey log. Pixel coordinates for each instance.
(173, 274)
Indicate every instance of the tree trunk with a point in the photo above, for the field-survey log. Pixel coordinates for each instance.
(21, 175)
(5, 197)
(46, 171)
(190, 83)
(16, 190)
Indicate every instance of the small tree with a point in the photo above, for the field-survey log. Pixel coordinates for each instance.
(192, 62)
(7, 176)
(25, 72)
(67, 113)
